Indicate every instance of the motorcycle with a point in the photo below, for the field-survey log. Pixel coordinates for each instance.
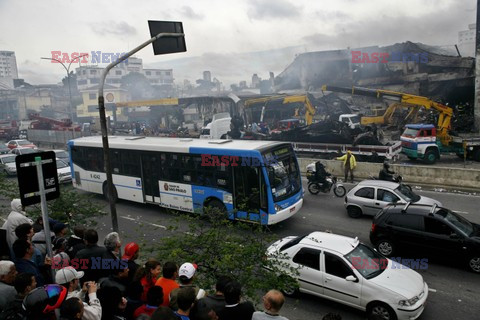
(314, 186)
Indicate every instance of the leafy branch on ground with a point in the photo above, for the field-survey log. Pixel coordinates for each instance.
(72, 206)
(222, 247)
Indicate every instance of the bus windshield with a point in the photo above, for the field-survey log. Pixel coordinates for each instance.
(283, 173)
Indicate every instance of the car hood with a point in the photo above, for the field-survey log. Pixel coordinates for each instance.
(405, 282)
(64, 170)
(428, 201)
(274, 247)
(11, 165)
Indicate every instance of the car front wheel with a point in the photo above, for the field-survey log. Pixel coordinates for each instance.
(380, 310)
(385, 247)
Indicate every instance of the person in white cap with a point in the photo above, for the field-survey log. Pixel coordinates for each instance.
(70, 279)
(186, 275)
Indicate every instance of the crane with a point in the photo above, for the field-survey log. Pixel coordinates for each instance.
(445, 112)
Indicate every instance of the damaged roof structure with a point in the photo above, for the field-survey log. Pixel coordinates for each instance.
(408, 67)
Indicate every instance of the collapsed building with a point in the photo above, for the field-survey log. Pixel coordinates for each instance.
(408, 67)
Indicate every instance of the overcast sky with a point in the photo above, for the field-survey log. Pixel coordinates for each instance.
(35, 28)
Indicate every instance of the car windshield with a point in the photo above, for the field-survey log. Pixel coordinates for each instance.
(23, 142)
(458, 221)
(367, 261)
(407, 194)
(26, 150)
(61, 164)
(61, 154)
(9, 159)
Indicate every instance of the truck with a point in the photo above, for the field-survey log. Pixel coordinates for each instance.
(8, 129)
(218, 127)
(372, 153)
(419, 141)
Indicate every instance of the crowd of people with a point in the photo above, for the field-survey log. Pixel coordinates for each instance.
(91, 282)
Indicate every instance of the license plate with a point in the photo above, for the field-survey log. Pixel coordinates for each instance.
(292, 209)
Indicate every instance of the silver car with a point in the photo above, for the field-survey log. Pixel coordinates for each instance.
(370, 196)
(7, 164)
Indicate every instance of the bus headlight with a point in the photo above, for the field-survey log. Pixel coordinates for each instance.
(278, 208)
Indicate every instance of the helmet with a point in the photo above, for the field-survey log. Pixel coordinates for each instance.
(44, 299)
(130, 250)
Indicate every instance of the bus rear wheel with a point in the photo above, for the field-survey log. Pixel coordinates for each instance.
(106, 194)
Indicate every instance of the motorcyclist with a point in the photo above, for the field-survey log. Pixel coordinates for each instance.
(386, 174)
(320, 173)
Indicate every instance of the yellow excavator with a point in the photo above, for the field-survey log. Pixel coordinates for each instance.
(309, 108)
(405, 99)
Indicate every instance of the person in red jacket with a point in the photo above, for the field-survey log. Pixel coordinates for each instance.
(147, 275)
(154, 300)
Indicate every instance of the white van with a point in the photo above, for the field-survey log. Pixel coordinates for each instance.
(219, 126)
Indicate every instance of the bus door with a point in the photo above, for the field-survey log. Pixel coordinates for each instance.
(151, 170)
(249, 192)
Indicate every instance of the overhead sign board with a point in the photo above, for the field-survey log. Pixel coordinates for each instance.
(166, 45)
(28, 180)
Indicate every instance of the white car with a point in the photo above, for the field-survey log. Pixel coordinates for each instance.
(345, 270)
(63, 171)
(7, 164)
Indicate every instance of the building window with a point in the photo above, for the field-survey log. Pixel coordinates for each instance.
(167, 73)
(147, 73)
(93, 71)
(93, 81)
(118, 73)
(92, 96)
(159, 73)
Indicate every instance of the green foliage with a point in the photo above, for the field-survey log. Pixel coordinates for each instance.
(223, 247)
(72, 206)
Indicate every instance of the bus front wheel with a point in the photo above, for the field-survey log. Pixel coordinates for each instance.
(106, 194)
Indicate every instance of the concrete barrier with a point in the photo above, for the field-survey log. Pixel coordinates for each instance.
(459, 178)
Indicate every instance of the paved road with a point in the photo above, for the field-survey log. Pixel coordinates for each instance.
(454, 291)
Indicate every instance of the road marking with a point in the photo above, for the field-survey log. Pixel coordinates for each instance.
(152, 224)
(432, 290)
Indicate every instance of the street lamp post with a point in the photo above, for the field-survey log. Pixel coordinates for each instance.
(68, 79)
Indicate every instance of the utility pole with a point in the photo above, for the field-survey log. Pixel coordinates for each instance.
(476, 107)
(70, 111)
(101, 108)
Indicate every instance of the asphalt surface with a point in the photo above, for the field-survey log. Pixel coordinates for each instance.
(454, 291)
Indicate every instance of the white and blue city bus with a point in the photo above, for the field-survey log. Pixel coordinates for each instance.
(257, 181)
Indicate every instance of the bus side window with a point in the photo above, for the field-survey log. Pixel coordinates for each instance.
(116, 159)
(131, 163)
(78, 156)
(223, 174)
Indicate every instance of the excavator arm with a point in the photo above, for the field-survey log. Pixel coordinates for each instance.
(445, 112)
(309, 108)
